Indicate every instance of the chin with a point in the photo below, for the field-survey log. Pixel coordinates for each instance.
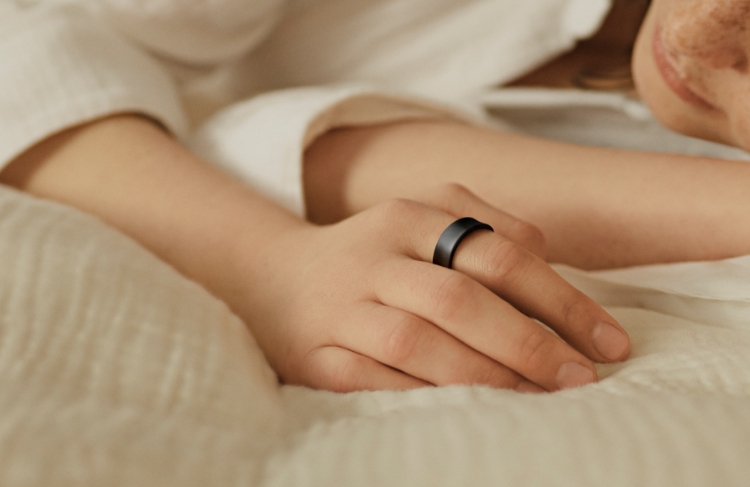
(668, 108)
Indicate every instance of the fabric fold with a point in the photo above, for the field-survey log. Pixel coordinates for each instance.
(447, 49)
(95, 73)
(262, 141)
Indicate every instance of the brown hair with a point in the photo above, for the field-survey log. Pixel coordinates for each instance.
(618, 34)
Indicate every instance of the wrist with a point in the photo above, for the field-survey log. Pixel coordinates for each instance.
(132, 175)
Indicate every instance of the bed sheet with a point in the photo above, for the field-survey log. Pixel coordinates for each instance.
(118, 371)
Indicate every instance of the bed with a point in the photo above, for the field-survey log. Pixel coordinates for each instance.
(118, 371)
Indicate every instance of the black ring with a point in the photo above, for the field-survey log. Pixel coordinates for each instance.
(451, 238)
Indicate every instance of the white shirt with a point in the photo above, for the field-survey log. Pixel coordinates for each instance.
(249, 83)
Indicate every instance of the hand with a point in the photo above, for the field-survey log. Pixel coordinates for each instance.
(355, 305)
(359, 305)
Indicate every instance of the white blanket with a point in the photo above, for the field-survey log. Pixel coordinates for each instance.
(117, 371)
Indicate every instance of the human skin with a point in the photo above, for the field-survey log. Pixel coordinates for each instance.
(702, 47)
(349, 306)
(598, 208)
(354, 304)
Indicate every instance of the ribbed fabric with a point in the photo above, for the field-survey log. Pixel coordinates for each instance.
(111, 362)
(59, 69)
(118, 371)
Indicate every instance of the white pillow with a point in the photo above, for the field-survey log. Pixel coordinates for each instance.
(118, 371)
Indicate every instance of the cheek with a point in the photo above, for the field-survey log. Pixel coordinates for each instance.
(665, 105)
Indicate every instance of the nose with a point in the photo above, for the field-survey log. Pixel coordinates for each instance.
(715, 33)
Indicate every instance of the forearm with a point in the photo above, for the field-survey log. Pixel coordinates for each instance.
(597, 207)
(346, 306)
(130, 174)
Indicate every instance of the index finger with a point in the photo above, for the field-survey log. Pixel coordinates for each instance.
(533, 287)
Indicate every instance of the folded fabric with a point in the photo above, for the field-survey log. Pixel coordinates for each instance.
(118, 371)
(179, 62)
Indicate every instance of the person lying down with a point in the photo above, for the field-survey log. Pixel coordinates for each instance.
(351, 295)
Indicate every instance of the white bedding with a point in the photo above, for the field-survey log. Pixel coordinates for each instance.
(117, 371)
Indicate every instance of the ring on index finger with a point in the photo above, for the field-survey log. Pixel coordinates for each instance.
(451, 238)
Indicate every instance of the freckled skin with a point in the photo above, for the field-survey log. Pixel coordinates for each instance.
(707, 43)
(708, 31)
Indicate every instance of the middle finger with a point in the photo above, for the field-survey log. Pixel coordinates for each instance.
(412, 345)
(528, 283)
(477, 317)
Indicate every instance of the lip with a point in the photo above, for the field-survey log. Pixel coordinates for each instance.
(672, 78)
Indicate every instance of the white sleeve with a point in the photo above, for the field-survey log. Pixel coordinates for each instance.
(446, 49)
(61, 68)
(262, 141)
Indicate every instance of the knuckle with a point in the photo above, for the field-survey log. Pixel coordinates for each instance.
(453, 198)
(508, 262)
(530, 237)
(534, 350)
(402, 343)
(574, 311)
(454, 295)
(344, 376)
(454, 191)
(396, 209)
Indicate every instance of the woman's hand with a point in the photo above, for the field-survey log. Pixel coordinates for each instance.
(360, 305)
(355, 305)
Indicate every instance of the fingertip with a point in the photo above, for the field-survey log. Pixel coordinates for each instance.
(611, 341)
(573, 374)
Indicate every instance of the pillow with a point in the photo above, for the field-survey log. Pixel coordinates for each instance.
(116, 371)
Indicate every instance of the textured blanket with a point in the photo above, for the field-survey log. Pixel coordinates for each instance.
(116, 370)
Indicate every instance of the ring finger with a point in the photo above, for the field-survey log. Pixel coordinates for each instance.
(471, 313)
(416, 347)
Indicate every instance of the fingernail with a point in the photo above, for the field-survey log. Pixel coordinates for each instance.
(530, 387)
(573, 374)
(609, 341)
